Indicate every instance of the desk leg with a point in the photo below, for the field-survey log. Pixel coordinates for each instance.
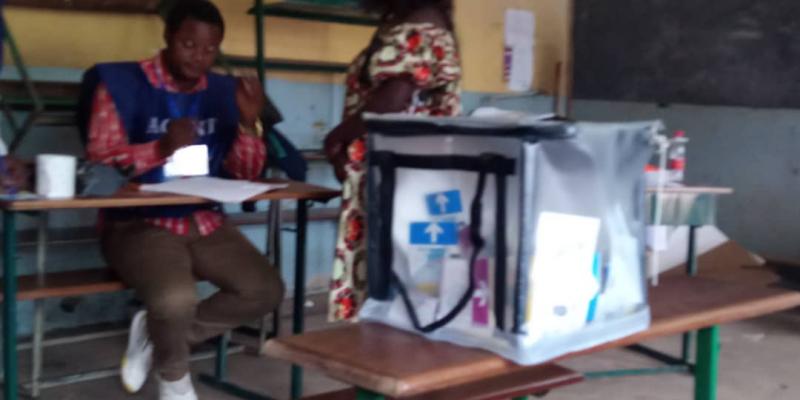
(274, 250)
(363, 394)
(691, 253)
(707, 369)
(221, 362)
(10, 305)
(37, 354)
(298, 312)
(220, 381)
(691, 270)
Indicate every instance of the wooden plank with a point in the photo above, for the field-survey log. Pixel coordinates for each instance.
(17, 88)
(387, 360)
(132, 197)
(62, 236)
(53, 95)
(525, 381)
(730, 262)
(379, 358)
(521, 383)
(314, 214)
(67, 284)
(121, 6)
(59, 236)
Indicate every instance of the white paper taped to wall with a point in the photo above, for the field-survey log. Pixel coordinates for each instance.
(520, 30)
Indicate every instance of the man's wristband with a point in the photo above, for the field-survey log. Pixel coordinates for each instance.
(257, 130)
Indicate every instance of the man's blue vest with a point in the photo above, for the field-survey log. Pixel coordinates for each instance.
(146, 111)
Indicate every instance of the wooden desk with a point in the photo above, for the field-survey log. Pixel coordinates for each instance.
(131, 197)
(399, 364)
(687, 205)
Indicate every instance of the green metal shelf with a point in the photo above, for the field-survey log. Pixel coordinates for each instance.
(314, 155)
(53, 96)
(317, 12)
(280, 64)
(50, 103)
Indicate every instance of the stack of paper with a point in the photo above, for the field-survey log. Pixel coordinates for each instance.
(216, 189)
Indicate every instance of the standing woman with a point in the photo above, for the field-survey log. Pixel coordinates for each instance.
(411, 66)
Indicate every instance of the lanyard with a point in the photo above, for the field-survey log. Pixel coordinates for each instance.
(192, 111)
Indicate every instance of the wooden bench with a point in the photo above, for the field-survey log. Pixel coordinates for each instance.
(403, 365)
(67, 284)
(537, 381)
(397, 364)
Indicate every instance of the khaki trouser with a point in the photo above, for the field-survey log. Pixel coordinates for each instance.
(163, 268)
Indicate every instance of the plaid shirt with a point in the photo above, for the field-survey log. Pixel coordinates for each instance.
(108, 144)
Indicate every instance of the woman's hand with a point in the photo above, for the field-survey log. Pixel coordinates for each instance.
(337, 143)
(250, 99)
(336, 151)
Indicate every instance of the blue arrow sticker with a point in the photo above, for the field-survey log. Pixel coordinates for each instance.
(444, 203)
(434, 233)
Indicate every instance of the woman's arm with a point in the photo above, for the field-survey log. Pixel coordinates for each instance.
(392, 96)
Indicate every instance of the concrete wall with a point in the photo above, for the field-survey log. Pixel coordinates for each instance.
(55, 38)
(752, 150)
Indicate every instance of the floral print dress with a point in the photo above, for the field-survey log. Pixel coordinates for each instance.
(428, 55)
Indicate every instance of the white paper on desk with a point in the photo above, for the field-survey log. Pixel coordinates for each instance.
(520, 29)
(216, 189)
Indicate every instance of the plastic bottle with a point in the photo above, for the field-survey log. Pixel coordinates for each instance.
(676, 160)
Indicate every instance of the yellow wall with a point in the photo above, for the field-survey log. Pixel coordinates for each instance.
(79, 39)
(480, 28)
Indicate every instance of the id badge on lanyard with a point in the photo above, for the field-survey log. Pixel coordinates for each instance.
(191, 160)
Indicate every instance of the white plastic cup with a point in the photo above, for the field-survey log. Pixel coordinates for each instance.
(55, 176)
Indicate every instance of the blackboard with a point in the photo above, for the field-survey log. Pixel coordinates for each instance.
(715, 52)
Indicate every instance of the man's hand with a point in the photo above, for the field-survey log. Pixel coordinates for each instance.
(250, 99)
(180, 133)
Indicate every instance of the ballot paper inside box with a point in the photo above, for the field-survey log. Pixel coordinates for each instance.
(525, 238)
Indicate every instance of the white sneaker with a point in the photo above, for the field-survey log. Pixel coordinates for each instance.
(181, 389)
(138, 357)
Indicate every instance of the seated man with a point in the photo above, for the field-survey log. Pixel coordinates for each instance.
(141, 114)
